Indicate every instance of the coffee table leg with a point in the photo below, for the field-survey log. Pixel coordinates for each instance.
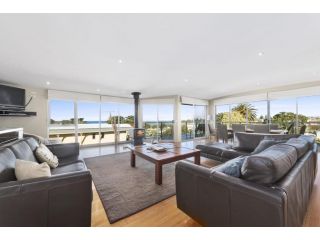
(158, 174)
(133, 159)
(197, 158)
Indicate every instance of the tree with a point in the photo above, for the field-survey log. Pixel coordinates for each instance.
(243, 108)
(284, 119)
(130, 120)
(235, 117)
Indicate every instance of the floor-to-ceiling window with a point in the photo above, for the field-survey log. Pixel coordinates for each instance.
(88, 123)
(116, 121)
(165, 121)
(187, 124)
(223, 114)
(193, 121)
(283, 113)
(309, 115)
(62, 120)
(257, 112)
(158, 121)
(200, 114)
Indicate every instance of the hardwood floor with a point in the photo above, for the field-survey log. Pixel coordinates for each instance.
(166, 213)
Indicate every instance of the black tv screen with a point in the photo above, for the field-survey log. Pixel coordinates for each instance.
(11, 97)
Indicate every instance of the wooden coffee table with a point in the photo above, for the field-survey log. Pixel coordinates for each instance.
(173, 153)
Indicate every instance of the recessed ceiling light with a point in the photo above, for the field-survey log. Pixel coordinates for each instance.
(258, 83)
(98, 89)
(120, 61)
(186, 80)
(260, 54)
(48, 83)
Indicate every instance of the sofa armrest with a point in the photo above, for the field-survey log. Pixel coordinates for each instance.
(60, 200)
(215, 199)
(64, 150)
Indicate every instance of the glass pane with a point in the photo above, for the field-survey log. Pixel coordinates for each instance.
(200, 120)
(187, 116)
(222, 114)
(309, 115)
(88, 123)
(283, 113)
(238, 113)
(258, 112)
(62, 125)
(165, 117)
(109, 122)
(150, 120)
(126, 120)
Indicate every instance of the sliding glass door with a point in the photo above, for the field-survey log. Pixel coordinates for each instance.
(88, 123)
(158, 121)
(62, 121)
(193, 121)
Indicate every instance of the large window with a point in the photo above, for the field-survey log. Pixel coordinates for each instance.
(200, 121)
(187, 125)
(117, 120)
(88, 123)
(158, 121)
(62, 123)
(193, 121)
(222, 114)
(242, 113)
(283, 113)
(309, 115)
(97, 122)
(257, 112)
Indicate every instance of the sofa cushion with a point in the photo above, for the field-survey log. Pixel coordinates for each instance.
(45, 155)
(215, 149)
(309, 138)
(269, 166)
(300, 145)
(7, 164)
(232, 167)
(33, 143)
(28, 170)
(23, 151)
(264, 144)
(67, 168)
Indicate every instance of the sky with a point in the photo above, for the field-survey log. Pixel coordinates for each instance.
(64, 110)
(308, 106)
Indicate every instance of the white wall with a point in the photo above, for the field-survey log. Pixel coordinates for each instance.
(34, 124)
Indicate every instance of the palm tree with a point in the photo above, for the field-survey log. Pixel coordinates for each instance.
(243, 108)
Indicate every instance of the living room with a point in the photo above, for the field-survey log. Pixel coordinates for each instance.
(144, 119)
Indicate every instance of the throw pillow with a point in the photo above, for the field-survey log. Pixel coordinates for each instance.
(264, 144)
(231, 167)
(28, 170)
(270, 165)
(43, 154)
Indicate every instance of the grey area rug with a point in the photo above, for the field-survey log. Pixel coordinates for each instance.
(125, 190)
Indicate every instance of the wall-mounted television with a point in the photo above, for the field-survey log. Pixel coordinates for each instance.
(12, 98)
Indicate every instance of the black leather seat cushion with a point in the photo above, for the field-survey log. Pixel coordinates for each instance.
(71, 167)
(270, 165)
(7, 165)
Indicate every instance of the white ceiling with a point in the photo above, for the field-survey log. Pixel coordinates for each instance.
(197, 55)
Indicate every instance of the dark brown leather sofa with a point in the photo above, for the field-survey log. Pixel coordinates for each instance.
(214, 198)
(64, 199)
(243, 144)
